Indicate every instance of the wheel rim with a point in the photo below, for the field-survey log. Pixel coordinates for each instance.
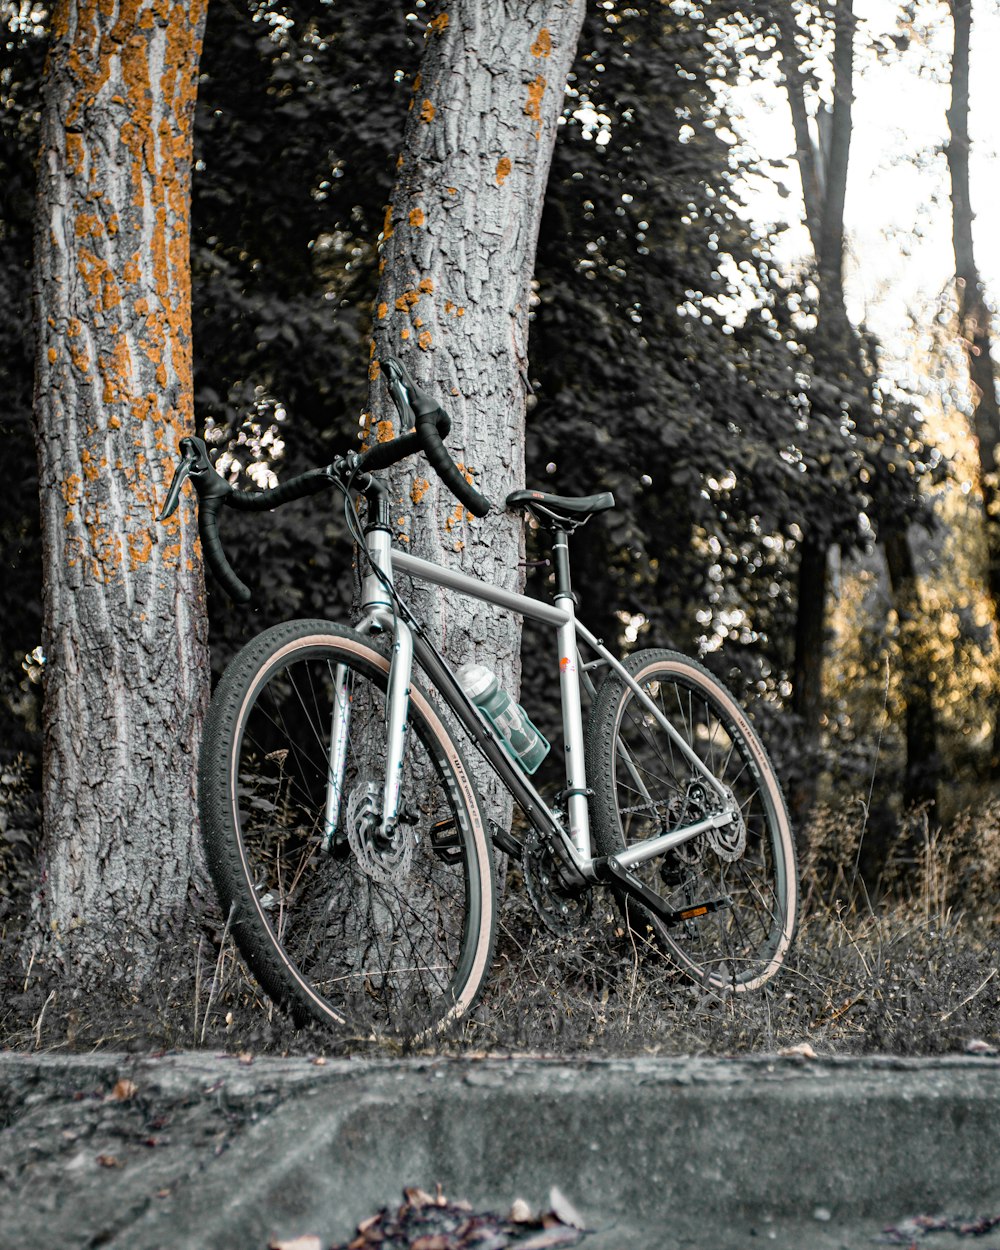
(739, 944)
(390, 953)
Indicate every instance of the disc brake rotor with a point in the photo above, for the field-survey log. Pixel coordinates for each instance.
(561, 907)
(388, 863)
(729, 841)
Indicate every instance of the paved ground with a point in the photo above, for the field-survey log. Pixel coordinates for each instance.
(204, 1151)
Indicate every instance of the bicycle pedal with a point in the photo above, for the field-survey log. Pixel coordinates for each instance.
(447, 846)
(505, 840)
(611, 872)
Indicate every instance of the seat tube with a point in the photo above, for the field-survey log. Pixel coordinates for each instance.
(577, 807)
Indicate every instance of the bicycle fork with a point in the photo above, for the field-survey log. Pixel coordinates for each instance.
(379, 617)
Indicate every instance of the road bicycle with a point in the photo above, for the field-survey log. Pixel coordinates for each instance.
(343, 828)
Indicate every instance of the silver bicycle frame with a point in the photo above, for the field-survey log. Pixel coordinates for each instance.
(379, 616)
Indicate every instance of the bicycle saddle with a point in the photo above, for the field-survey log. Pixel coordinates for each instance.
(561, 509)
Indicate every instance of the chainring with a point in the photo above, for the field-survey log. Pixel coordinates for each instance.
(561, 907)
(386, 865)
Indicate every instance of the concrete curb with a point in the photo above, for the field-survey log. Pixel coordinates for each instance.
(655, 1153)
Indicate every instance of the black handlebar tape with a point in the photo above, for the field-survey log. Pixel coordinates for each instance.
(443, 465)
(222, 570)
(381, 455)
(312, 483)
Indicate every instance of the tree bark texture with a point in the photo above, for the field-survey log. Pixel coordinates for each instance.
(973, 314)
(124, 610)
(457, 256)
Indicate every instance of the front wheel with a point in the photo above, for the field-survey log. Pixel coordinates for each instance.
(645, 786)
(373, 934)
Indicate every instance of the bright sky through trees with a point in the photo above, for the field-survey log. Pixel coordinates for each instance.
(898, 211)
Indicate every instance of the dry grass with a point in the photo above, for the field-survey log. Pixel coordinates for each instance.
(913, 971)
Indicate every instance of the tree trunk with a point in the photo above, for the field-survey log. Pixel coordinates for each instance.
(923, 765)
(124, 607)
(973, 314)
(807, 669)
(457, 258)
(824, 188)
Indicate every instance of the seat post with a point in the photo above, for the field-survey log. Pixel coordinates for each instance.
(560, 557)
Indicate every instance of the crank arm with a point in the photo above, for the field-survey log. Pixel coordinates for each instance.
(610, 872)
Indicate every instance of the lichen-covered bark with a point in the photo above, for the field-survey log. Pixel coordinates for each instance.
(124, 632)
(457, 258)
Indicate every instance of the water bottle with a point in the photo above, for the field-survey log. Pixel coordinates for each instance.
(521, 738)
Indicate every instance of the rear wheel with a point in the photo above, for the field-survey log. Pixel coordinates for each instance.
(371, 934)
(645, 786)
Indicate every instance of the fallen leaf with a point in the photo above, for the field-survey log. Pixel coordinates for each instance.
(319, 1062)
(975, 1046)
(109, 1161)
(564, 1209)
(520, 1212)
(309, 1242)
(801, 1050)
(124, 1090)
(245, 1058)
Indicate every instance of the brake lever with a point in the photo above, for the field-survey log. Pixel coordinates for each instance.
(194, 464)
(399, 392)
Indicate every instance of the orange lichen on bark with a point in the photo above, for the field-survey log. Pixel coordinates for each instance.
(407, 300)
(533, 105)
(455, 517)
(427, 111)
(419, 489)
(140, 547)
(543, 44)
(374, 369)
(116, 370)
(387, 224)
(383, 431)
(426, 286)
(72, 490)
(52, 354)
(416, 217)
(425, 340)
(383, 311)
(439, 24)
(503, 170)
(404, 333)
